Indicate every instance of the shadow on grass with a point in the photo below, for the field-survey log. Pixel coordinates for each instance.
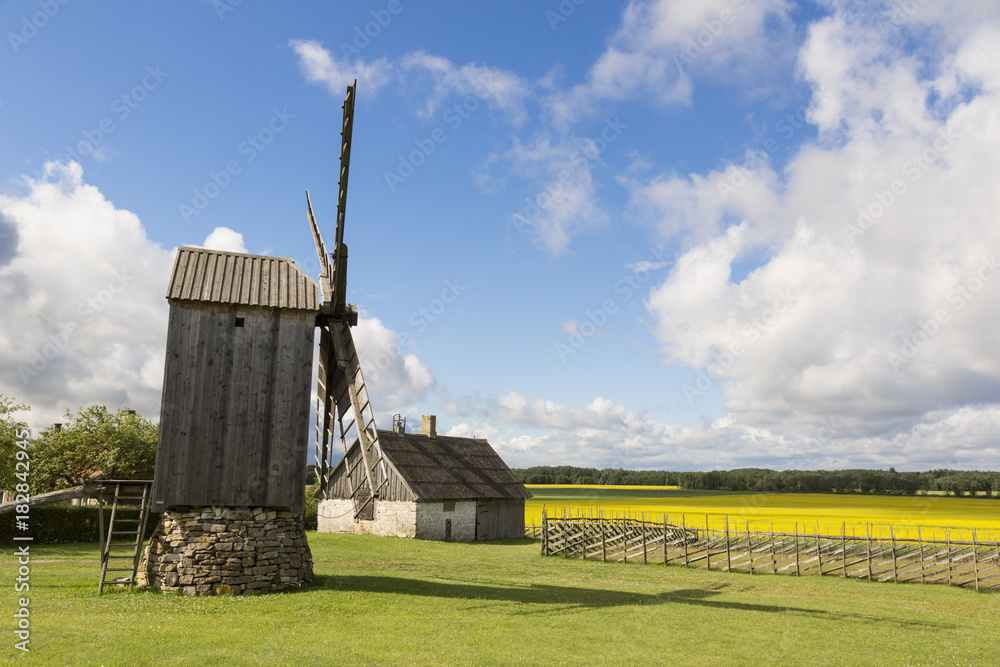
(511, 541)
(573, 598)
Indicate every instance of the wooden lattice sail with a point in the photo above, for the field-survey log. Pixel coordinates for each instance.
(341, 393)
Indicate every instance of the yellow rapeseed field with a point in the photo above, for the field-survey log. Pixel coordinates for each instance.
(936, 516)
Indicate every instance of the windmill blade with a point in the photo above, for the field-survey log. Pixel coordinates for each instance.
(326, 270)
(366, 472)
(324, 412)
(339, 251)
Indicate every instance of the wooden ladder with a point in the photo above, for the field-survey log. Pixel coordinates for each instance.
(344, 385)
(126, 529)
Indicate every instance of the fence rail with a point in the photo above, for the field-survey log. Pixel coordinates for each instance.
(972, 563)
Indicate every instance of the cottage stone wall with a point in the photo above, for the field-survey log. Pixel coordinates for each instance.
(431, 518)
(226, 550)
(393, 518)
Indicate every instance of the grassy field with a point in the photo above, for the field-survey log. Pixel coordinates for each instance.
(392, 601)
(934, 513)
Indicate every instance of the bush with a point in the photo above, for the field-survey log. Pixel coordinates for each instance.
(311, 514)
(59, 524)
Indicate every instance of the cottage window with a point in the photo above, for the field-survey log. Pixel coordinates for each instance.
(449, 506)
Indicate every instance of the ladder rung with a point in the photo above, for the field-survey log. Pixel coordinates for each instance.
(118, 569)
(122, 532)
(109, 556)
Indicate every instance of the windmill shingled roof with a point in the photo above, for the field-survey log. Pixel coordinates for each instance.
(451, 468)
(216, 276)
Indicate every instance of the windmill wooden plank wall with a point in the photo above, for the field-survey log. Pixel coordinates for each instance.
(235, 410)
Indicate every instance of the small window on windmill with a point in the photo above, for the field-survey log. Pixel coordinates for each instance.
(239, 321)
(449, 506)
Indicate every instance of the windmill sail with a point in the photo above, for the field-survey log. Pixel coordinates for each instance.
(341, 393)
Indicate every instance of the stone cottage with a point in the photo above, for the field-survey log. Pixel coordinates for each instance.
(439, 488)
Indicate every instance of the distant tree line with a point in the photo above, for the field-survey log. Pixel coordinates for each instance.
(891, 482)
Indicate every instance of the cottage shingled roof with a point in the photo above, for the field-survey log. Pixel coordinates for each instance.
(216, 276)
(451, 468)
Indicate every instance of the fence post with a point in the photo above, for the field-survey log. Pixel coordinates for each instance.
(545, 533)
(843, 546)
(797, 572)
(729, 560)
(819, 551)
(624, 540)
(664, 539)
(774, 564)
(644, 560)
(895, 571)
(604, 543)
(684, 531)
(975, 558)
(947, 540)
(869, 529)
(920, 541)
(749, 547)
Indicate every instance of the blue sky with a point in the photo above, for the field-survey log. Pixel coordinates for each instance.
(634, 234)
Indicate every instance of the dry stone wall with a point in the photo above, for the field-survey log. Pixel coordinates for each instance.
(227, 550)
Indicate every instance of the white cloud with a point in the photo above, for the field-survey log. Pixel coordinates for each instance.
(435, 77)
(224, 238)
(504, 89)
(662, 44)
(396, 381)
(85, 317)
(605, 434)
(319, 66)
(565, 203)
(872, 302)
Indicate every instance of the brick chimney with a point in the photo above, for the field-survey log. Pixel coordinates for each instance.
(428, 426)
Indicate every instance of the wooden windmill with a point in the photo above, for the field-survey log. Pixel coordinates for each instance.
(341, 392)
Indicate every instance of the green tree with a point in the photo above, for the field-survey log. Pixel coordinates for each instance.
(9, 430)
(94, 444)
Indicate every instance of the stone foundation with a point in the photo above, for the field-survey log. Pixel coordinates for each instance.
(226, 550)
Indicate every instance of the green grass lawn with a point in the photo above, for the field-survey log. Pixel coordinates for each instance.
(393, 601)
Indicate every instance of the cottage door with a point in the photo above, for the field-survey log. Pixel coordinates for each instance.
(482, 515)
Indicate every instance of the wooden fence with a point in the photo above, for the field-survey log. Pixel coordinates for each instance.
(972, 563)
